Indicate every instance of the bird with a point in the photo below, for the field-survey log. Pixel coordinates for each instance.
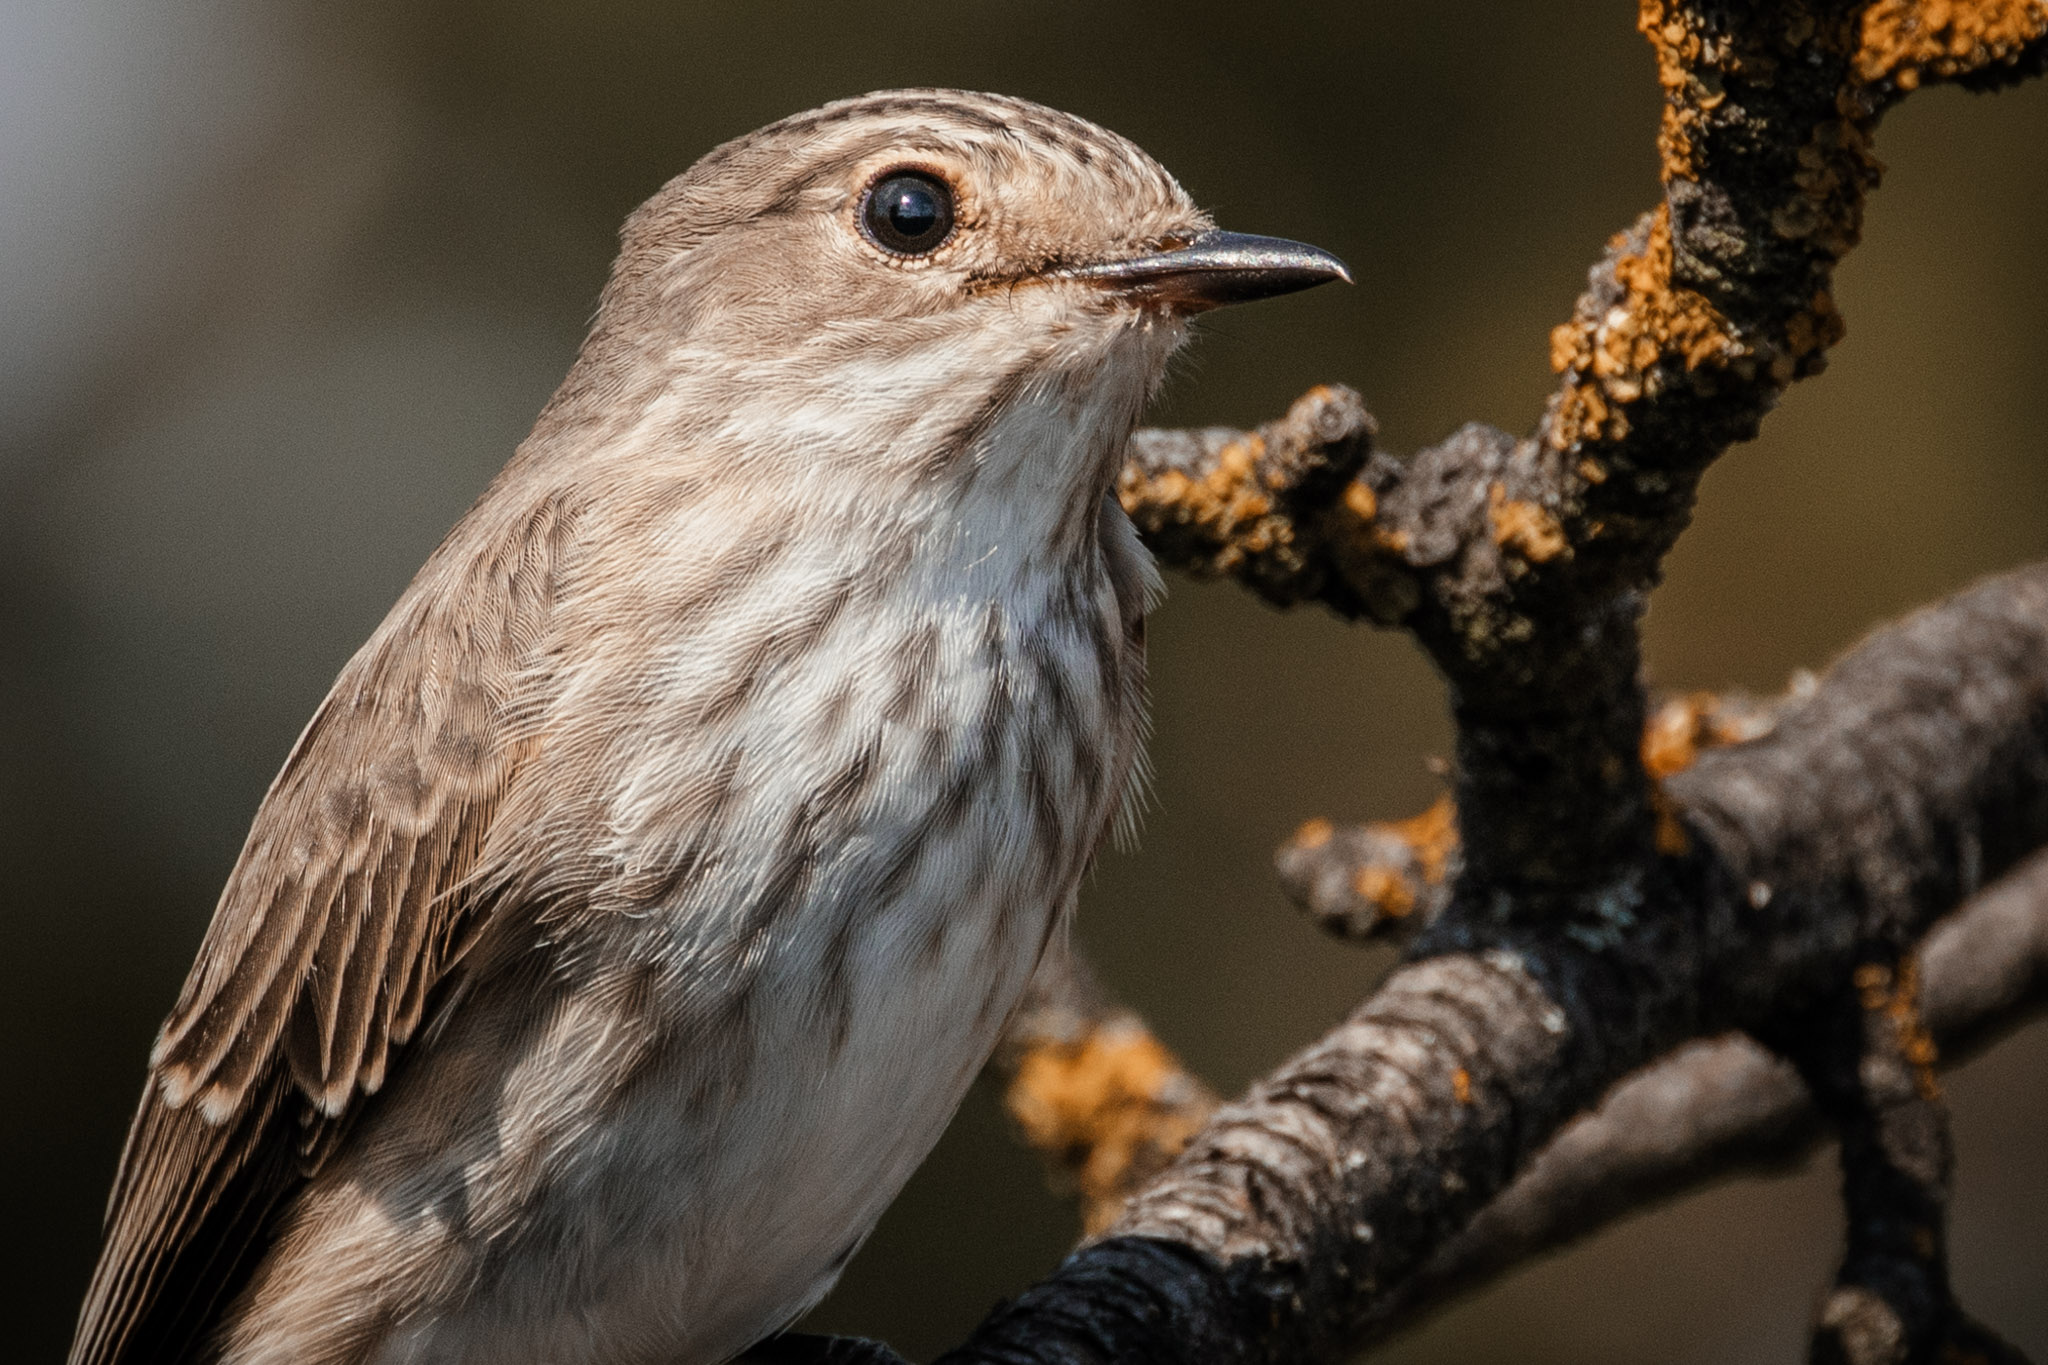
(633, 913)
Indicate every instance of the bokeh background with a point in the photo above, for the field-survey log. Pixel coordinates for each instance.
(282, 284)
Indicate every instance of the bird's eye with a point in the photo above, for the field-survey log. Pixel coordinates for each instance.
(909, 213)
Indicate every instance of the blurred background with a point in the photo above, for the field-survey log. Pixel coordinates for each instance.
(283, 284)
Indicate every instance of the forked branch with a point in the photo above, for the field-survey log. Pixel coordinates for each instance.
(1599, 914)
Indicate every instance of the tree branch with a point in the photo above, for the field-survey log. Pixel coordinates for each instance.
(1522, 565)
(1869, 1065)
(1917, 767)
(1389, 878)
(1093, 1091)
(1713, 1109)
(1598, 918)
(1725, 1106)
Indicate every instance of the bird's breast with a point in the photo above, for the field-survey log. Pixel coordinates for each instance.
(845, 816)
(801, 822)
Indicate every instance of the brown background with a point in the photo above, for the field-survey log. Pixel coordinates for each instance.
(281, 290)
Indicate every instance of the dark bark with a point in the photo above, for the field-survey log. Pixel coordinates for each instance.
(1727, 1105)
(1918, 767)
(1597, 918)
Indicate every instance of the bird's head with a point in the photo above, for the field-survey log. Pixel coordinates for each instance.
(884, 277)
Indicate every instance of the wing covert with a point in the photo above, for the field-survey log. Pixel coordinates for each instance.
(346, 908)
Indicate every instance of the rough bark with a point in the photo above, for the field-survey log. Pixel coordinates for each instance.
(1597, 912)
(1727, 1105)
(1289, 1227)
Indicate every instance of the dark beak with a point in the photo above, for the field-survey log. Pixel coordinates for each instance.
(1218, 268)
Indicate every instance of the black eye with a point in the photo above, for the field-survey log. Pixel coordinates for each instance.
(909, 213)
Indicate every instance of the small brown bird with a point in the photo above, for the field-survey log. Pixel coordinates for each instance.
(631, 916)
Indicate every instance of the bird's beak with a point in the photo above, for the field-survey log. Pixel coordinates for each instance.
(1217, 268)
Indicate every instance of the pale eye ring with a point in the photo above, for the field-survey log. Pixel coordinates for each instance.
(908, 213)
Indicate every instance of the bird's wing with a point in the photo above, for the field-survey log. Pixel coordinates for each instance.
(344, 912)
(1134, 579)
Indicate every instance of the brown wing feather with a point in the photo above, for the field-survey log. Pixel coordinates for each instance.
(345, 910)
(1135, 580)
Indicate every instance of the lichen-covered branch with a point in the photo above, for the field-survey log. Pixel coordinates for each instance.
(1598, 908)
(1726, 1105)
(1286, 1228)
(1694, 321)
(1712, 1108)
(1093, 1091)
(1217, 502)
(1382, 880)
(1523, 565)
(1871, 1068)
(1389, 878)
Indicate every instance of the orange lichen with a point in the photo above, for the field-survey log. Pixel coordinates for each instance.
(1676, 733)
(1678, 52)
(1910, 41)
(1314, 833)
(1385, 890)
(1614, 358)
(1678, 322)
(1461, 1086)
(1112, 1108)
(1609, 358)
(1523, 527)
(1681, 727)
(1364, 530)
(1564, 347)
(1226, 510)
(1895, 996)
(1361, 501)
(1671, 839)
(1433, 835)
(1230, 500)
(1394, 885)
